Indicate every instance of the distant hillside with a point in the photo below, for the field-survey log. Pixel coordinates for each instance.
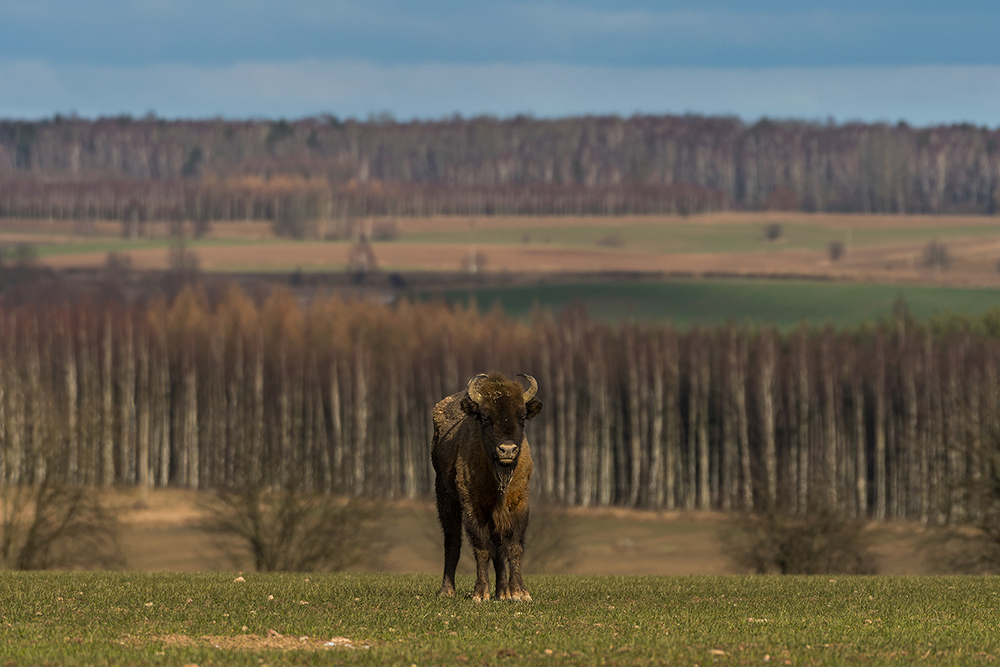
(152, 168)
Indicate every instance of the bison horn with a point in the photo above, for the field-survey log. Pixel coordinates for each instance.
(473, 389)
(532, 387)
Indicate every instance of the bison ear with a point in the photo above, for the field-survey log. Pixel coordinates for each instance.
(469, 406)
(532, 408)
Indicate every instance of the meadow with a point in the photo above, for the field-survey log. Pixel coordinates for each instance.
(720, 302)
(711, 269)
(316, 619)
(873, 248)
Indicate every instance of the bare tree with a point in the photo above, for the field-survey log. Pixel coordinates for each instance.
(286, 530)
(53, 525)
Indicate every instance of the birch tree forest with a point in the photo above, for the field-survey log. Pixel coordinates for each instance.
(886, 421)
(295, 173)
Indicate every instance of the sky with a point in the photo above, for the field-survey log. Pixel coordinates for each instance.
(920, 61)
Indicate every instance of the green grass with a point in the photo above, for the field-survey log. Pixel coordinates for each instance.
(698, 237)
(648, 238)
(125, 246)
(104, 619)
(718, 302)
(675, 237)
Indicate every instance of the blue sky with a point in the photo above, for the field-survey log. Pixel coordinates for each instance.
(921, 61)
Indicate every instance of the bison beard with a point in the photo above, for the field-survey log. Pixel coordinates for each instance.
(482, 468)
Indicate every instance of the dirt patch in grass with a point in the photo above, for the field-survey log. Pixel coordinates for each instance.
(271, 641)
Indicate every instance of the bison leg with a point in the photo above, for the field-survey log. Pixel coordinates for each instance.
(452, 552)
(517, 588)
(500, 569)
(451, 524)
(482, 589)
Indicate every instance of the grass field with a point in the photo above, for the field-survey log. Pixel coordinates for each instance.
(556, 261)
(881, 249)
(695, 237)
(719, 302)
(202, 619)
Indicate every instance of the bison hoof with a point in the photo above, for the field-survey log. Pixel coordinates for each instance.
(481, 596)
(446, 592)
(520, 596)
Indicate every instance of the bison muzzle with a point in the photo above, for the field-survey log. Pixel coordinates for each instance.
(482, 468)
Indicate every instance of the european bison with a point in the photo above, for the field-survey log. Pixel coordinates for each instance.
(482, 467)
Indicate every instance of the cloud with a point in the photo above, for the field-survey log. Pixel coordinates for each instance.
(920, 95)
(681, 33)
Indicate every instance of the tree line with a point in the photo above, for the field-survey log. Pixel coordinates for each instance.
(887, 421)
(216, 170)
(312, 208)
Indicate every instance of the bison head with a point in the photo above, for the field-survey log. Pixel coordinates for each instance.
(501, 407)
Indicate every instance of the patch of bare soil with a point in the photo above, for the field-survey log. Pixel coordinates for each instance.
(271, 641)
(242, 229)
(163, 507)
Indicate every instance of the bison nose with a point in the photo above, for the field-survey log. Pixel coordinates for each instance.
(507, 451)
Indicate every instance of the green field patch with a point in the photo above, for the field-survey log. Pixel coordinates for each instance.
(316, 619)
(865, 236)
(124, 246)
(697, 237)
(672, 238)
(719, 302)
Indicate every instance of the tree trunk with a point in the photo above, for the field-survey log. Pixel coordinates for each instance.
(878, 372)
(107, 408)
(766, 363)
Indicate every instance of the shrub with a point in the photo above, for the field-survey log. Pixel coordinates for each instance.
(549, 541)
(285, 530)
(964, 549)
(612, 240)
(971, 545)
(936, 256)
(836, 249)
(385, 230)
(782, 199)
(773, 231)
(116, 267)
(819, 542)
(52, 525)
(22, 255)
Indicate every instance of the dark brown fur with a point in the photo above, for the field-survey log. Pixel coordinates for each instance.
(476, 490)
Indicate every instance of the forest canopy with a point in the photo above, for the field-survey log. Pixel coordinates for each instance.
(288, 171)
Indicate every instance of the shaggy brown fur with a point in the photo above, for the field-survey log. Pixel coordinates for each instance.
(483, 466)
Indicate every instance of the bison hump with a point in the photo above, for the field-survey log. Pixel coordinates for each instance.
(447, 412)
